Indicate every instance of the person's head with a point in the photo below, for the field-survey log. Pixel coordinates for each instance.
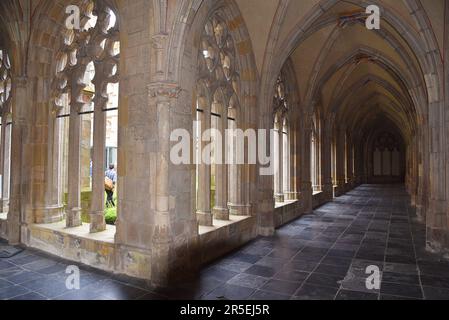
(111, 166)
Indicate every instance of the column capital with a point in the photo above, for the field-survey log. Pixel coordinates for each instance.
(164, 90)
(158, 40)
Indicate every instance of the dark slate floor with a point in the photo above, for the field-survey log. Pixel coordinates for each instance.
(320, 256)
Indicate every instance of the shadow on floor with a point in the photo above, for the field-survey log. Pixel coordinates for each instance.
(321, 256)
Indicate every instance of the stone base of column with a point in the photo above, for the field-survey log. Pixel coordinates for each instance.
(239, 209)
(221, 213)
(438, 241)
(97, 222)
(73, 218)
(265, 211)
(134, 262)
(205, 219)
(279, 197)
(307, 201)
(49, 214)
(13, 227)
(339, 190)
(328, 190)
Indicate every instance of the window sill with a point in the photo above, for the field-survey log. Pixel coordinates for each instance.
(3, 216)
(317, 192)
(219, 224)
(286, 203)
(82, 232)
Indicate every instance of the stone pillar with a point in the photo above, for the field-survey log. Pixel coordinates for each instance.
(203, 210)
(46, 206)
(306, 181)
(17, 201)
(350, 163)
(326, 165)
(220, 210)
(285, 165)
(437, 151)
(422, 190)
(238, 174)
(169, 262)
(162, 236)
(296, 161)
(4, 165)
(358, 163)
(73, 214)
(279, 164)
(97, 221)
(265, 200)
(291, 193)
(340, 161)
(315, 173)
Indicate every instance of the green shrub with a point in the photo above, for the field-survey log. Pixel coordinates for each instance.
(110, 215)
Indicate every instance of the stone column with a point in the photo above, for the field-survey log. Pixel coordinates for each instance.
(292, 193)
(97, 221)
(238, 173)
(203, 210)
(7, 167)
(340, 161)
(350, 163)
(220, 210)
(314, 165)
(46, 206)
(162, 240)
(286, 165)
(3, 152)
(279, 163)
(306, 181)
(296, 161)
(265, 200)
(73, 214)
(326, 164)
(17, 200)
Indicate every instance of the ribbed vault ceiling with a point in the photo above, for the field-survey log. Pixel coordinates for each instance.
(357, 76)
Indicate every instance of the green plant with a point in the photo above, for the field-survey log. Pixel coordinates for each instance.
(110, 215)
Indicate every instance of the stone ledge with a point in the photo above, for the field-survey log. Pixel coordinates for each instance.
(225, 236)
(217, 224)
(318, 199)
(286, 203)
(75, 244)
(287, 212)
(81, 231)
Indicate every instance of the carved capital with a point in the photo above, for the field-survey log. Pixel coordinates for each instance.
(162, 90)
(158, 41)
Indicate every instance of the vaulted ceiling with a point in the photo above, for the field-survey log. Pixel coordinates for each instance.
(358, 77)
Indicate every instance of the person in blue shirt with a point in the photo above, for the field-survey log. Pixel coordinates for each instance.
(111, 174)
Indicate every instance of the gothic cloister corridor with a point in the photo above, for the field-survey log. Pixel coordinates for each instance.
(224, 150)
(321, 256)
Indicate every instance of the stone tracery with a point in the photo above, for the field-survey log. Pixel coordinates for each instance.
(217, 108)
(87, 66)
